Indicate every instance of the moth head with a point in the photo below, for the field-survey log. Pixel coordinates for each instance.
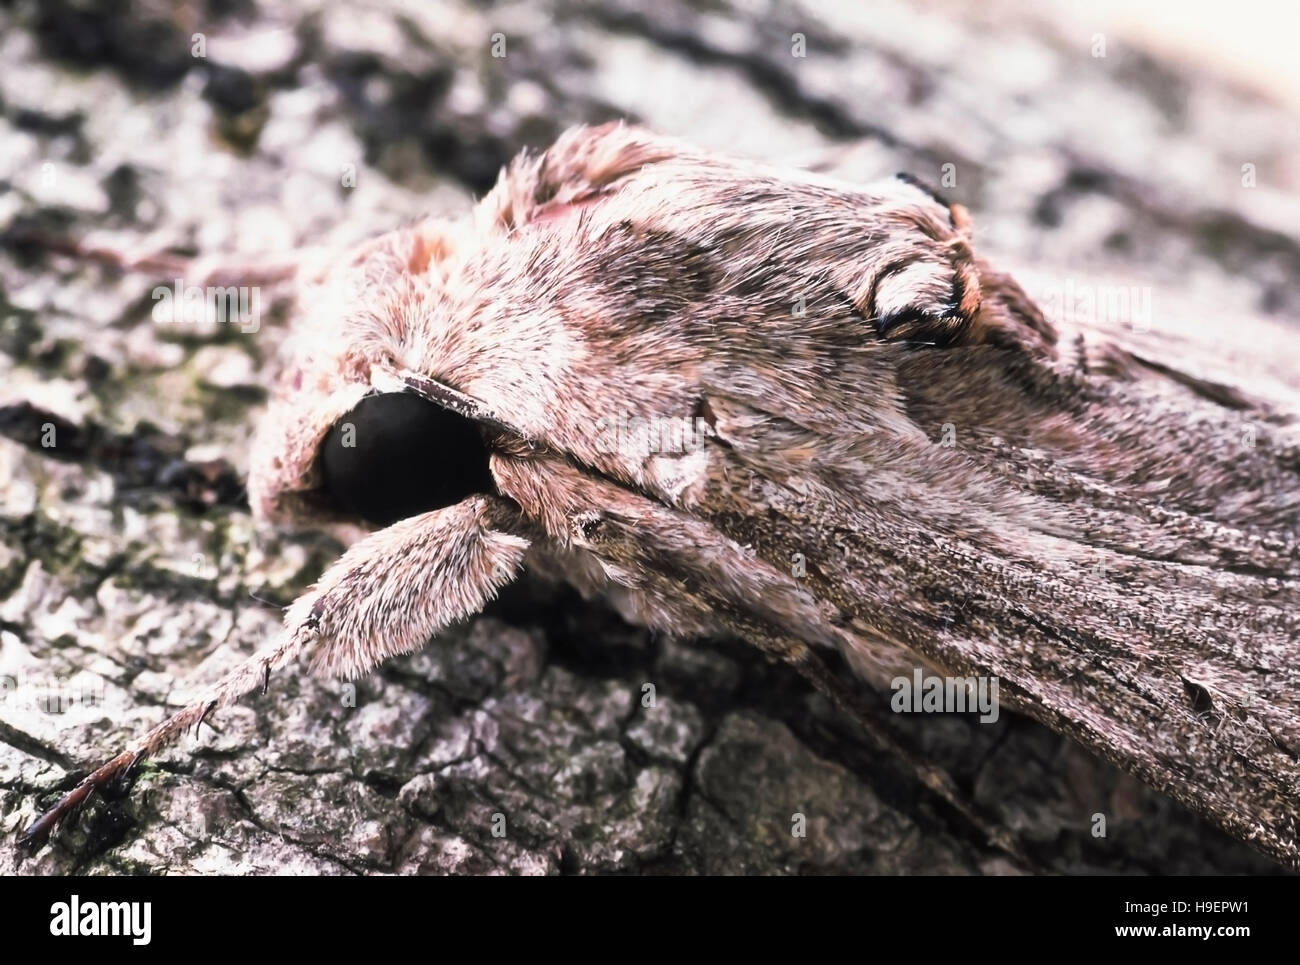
(383, 457)
(340, 443)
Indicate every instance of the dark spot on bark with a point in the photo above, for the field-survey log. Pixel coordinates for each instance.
(231, 89)
(1199, 696)
(704, 411)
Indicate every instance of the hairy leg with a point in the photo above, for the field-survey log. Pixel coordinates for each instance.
(388, 594)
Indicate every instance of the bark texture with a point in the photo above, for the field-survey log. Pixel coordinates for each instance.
(527, 740)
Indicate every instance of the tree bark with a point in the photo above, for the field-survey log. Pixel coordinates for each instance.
(527, 741)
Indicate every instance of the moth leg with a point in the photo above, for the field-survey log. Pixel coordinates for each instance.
(388, 594)
(394, 589)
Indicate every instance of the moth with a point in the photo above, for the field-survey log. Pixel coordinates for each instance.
(735, 399)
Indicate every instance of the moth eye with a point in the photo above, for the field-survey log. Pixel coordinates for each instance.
(396, 455)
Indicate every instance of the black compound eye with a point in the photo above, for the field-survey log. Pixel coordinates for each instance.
(397, 455)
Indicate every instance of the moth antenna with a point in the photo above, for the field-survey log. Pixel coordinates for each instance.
(248, 676)
(448, 398)
(200, 271)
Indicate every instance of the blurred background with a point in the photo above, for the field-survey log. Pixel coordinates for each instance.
(1100, 143)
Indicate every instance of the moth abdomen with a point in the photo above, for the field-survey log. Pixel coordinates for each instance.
(395, 455)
